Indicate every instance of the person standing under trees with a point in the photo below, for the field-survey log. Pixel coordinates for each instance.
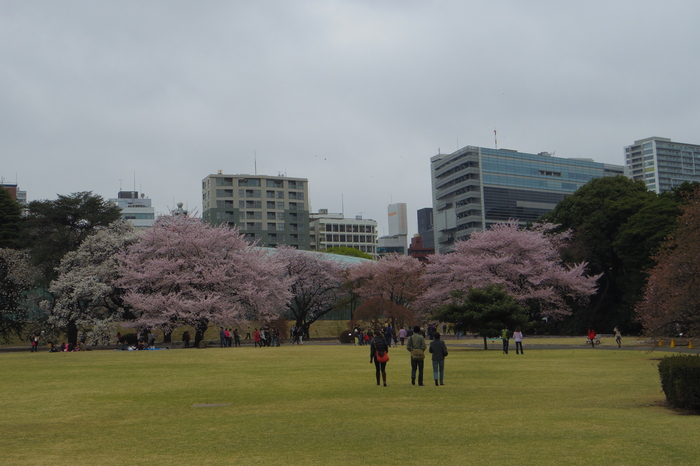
(416, 346)
(505, 337)
(591, 336)
(618, 337)
(186, 338)
(377, 349)
(518, 337)
(236, 337)
(402, 336)
(439, 351)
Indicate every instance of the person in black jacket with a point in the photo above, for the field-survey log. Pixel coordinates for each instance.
(378, 345)
(439, 351)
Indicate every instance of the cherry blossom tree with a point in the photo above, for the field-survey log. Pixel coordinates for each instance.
(393, 278)
(316, 284)
(526, 262)
(671, 300)
(17, 277)
(185, 272)
(84, 295)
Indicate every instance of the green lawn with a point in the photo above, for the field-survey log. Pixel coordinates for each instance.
(318, 404)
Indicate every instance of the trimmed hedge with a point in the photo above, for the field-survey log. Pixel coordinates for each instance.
(680, 380)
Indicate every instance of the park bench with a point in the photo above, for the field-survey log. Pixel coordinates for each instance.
(596, 340)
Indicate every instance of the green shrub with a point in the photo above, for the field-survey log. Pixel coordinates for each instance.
(680, 381)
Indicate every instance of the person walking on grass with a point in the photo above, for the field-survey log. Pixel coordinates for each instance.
(505, 337)
(518, 337)
(402, 336)
(378, 349)
(618, 337)
(591, 336)
(416, 346)
(439, 350)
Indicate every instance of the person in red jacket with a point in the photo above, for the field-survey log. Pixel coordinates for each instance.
(591, 336)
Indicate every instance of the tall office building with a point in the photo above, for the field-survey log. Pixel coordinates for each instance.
(476, 187)
(329, 230)
(397, 239)
(270, 209)
(397, 219)
(663, 164)
(425, 226)
(136, 210)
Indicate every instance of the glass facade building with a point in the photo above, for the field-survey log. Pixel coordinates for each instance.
(663, 164)
(476, 187)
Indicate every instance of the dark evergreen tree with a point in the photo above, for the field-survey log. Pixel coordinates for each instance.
(484, 311)
(618, 225)
(10, 218)
(53, 228)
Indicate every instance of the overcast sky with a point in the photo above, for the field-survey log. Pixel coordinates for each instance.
(356, 96)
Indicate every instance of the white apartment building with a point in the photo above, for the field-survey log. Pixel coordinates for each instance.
(663, 164)
(334, 230)
(271, 210)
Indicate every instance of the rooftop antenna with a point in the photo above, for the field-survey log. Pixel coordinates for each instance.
(495, 138)
(134, 180)
(342, 204)
(255, 155)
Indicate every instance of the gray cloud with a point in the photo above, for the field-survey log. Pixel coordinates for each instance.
(356, 96)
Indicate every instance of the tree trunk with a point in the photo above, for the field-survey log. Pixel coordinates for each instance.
(199, 330)
(72, 333)
(486, 344)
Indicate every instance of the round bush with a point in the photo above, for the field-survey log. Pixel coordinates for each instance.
(345, 336)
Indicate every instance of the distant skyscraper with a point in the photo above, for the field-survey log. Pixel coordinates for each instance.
(425, 227)
(397, 240)
(272, 210)
(135, 209)
(397, 219)
(476, 187)
(663, 164)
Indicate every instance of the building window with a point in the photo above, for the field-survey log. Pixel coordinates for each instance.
(252, 182)
(270, 194)
(280, 205)
(224, 181)
(270, 204)
(224, 193)
(274, 183)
